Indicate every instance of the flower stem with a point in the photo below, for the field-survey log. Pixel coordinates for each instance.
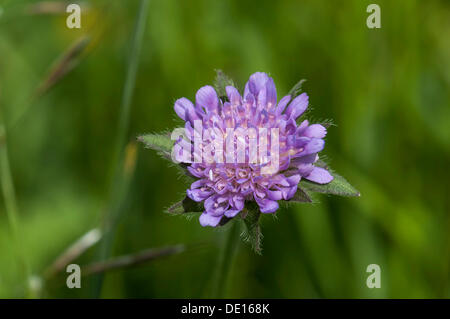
(132, 259)
(9, 196)
(225, 261)
(121, 179)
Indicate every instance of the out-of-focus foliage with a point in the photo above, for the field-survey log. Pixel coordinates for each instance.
(387, 91)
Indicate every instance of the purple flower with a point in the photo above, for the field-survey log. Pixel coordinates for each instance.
(225, 186)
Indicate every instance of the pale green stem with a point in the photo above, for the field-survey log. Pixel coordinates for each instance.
(225, 261)
(9, 197)
(119, 183)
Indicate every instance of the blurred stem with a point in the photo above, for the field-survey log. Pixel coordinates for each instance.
(132, 260)
(225, 261)
(9, 196)
(73, 252)
(120, 181)
(291, 226)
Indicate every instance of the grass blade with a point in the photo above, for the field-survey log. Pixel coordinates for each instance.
(66, 63)
(225, 261)
(9, 195)
(46, 7)
(74, 251)
(119, 184)
(131, 260)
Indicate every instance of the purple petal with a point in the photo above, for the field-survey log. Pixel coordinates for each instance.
(238, 202)
(199, 191)
(189, 131)
(256, 83)
(196, 171)
(301, 128)
(282, 104)
(315, 130)
(181, 151)
(291, 126)
(314, 146)
(198, 183)
(271, 95)
(307, 159)
(221, 187)
(297, 106)
(281, 180)
(181, 105)
(301, 142)
(207, 98)
(266, 205)
(294, 179)
(233, 95)
(291, 192)
(284, 164)
(209, 220)
(320, 175)
(214, 205)
(232, 212)
(194, 195)
(262, 99)
(305, 168)
(198, 194)
(227, 109)
(249, 98)
(275, 195)
(246, 188)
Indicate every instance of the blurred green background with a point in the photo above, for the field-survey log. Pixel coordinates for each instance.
(386, 89)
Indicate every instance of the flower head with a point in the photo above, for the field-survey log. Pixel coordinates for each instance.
(280, 152)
